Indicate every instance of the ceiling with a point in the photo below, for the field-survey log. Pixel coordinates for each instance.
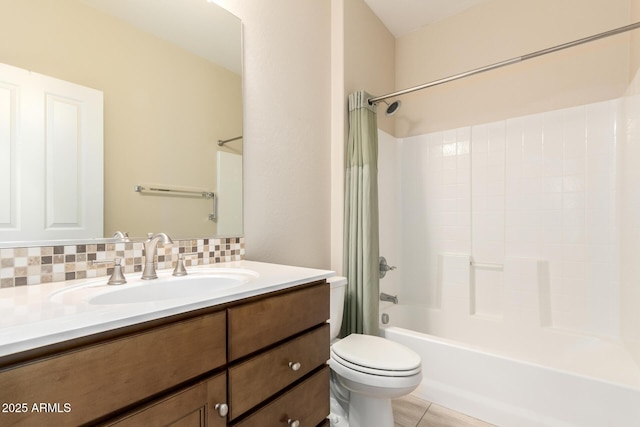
(185, 23)
(404, 16)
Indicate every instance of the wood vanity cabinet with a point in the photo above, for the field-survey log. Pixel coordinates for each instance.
(190, 407)
(253, 329)
(263, 357)
(99, 379)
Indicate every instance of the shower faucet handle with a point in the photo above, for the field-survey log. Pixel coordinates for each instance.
(384, 267)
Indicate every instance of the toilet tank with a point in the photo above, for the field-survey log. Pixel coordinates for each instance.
(338, 287)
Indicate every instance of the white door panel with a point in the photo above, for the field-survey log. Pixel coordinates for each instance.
(55, 151)
(7, 154)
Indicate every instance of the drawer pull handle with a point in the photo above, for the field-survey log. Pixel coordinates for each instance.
(222, 408)
(293, 423)
(295, 366)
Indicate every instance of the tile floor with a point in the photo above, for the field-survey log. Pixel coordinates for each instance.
(409, 411)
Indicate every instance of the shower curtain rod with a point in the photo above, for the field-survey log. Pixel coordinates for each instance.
(515, 60)
(221, 142)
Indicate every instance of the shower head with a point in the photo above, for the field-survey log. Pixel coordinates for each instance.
(392, 108)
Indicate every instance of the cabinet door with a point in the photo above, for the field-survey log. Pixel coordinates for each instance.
(191, 407)
(217, 395)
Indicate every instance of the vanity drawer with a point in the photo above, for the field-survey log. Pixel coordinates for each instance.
(103, 378)
(307, 402)
(256, 325)
(262, 376)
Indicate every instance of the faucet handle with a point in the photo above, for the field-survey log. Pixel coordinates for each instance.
(117, 277)
(384, 267)
(180, 269)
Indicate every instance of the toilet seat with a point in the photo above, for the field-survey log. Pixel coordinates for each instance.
(375, 367)
(372, 371)
(375, 356)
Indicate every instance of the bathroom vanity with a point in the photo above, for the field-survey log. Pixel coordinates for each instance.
(253, 356)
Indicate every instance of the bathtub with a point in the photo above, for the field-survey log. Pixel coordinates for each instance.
(535, 377)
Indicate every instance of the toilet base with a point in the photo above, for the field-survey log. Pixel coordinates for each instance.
(366, 411)
(338, 416)
(338, 403)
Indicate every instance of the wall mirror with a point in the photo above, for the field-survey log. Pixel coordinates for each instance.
(170, 74)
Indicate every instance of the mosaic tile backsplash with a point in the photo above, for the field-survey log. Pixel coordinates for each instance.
(44, 264)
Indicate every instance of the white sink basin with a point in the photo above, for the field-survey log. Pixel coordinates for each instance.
(184, 287)
(199, 284)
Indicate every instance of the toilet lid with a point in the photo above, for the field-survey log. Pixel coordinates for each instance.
(376, 354)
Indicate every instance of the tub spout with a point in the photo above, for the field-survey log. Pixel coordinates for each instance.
(389, 298)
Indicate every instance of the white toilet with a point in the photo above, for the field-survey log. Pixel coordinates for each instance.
(368, 372)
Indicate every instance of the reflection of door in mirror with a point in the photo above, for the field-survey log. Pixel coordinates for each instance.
(51, 149)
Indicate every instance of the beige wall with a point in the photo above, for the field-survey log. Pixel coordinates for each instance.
(287, 68)
(301, 61)
(501, 29)
(363, 58)
(164, 108)
(369, 56)
(635, 41)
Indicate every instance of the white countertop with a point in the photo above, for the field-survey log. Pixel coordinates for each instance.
(35, 315)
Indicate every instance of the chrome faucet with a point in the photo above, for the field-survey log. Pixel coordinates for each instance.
(150, 250)
(123, 237)
(388, 298)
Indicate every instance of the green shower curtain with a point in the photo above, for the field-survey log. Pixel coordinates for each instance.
(361, 247)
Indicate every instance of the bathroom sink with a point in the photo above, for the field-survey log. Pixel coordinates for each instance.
(201, 284)
(169, 289)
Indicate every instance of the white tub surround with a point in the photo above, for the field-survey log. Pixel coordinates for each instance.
(36, 316)
(516, 244)
(507, 196)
